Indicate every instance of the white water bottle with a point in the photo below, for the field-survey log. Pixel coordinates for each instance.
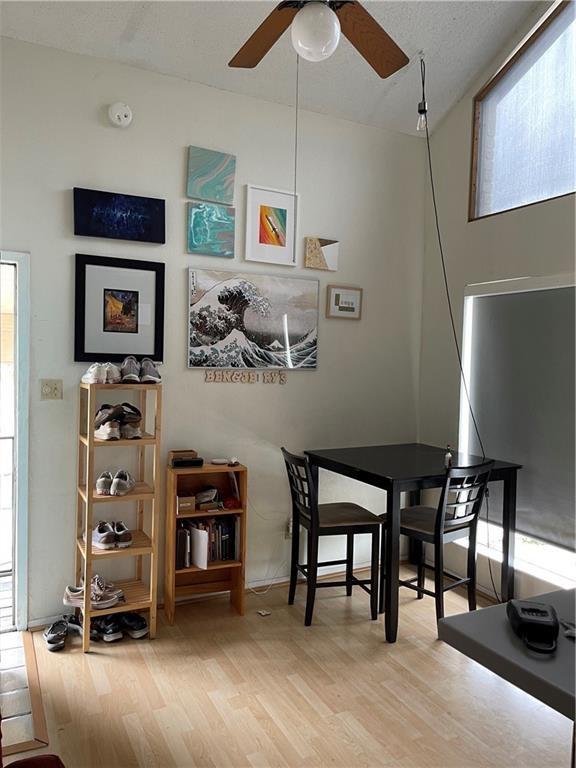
(448, 457)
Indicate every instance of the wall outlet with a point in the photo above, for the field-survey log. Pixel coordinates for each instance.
(50, 389)
(288, 529)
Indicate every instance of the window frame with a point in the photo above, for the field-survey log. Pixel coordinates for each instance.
(535, 33)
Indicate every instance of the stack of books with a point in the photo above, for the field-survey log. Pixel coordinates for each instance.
(204, 541)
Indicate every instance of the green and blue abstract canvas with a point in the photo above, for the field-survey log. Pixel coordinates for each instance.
(211, 229)
(211, 175)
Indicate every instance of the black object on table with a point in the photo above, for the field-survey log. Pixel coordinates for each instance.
(488, 637)
(412, 467)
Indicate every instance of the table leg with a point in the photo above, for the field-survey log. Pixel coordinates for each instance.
(508, 530)
(413, 549)
(392, 563)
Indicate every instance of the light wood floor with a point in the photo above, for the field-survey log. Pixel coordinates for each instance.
(218, 690)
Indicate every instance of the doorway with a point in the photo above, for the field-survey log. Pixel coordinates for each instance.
(14, 333)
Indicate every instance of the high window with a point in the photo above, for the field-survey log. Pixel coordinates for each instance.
(524, 130)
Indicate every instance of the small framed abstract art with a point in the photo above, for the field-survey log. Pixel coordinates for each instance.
(211, 229)
(343, 302)
(211, 175)
(120, 217)
(119, 309)
(321, 253)
(271, 220)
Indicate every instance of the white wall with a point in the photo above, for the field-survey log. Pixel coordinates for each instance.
(358, 185)
(537, 240)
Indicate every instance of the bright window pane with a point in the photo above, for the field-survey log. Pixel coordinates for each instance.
(527, 139)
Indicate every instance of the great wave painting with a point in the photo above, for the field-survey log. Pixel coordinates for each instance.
(241, 320)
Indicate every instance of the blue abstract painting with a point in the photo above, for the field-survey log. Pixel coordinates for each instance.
(211, 229)
(122, 217)
(211, 175)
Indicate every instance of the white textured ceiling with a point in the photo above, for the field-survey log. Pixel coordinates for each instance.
(195, 40)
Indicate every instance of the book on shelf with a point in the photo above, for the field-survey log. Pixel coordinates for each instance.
(200, 542)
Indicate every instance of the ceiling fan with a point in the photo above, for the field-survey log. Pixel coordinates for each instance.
(316, 26)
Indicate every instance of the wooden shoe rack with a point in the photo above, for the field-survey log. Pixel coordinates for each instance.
(140, 590)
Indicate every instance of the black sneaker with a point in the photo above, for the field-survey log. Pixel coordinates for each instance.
(133, 625)
(107, 628)
(55, 635)
(75, 626)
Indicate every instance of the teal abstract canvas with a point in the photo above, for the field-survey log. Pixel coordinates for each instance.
(211, 175)
(211, 229)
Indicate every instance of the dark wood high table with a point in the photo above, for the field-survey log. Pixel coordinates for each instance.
(413, 467)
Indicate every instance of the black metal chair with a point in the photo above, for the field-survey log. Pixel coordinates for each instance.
(456, 517)
(337, 519)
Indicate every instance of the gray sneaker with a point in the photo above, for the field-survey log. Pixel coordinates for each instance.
(149, 374)
(104, 536)
(130, 369)
(104, 483)
(122, 484)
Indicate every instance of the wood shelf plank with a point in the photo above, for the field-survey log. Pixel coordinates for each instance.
(207, 469)
(121, 385)
(217, 565)
(141, 492)
(210, 513)
(141, 545)
(146, 439)
(137, 595)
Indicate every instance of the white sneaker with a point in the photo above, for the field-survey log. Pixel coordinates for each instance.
(113, 375)
(96, 374)
(122, 484)
(108, 431)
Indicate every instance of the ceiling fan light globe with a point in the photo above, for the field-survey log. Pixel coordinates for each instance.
(315, 31)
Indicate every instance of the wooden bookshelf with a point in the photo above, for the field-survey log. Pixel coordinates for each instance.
(221, 575)
(140, 592)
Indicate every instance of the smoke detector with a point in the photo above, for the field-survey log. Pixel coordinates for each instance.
(120, 114)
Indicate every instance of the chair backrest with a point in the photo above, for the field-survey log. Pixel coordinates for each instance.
(462, 496)
(302, 489)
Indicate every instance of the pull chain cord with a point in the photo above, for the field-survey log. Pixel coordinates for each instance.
(297, 101)
(441, 248)
(449, 301)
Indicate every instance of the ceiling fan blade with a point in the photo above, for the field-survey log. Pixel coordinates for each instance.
(271, 29)
(370, 40)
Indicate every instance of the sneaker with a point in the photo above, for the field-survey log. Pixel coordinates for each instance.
(108, 431)
(75, 625)
(113, 375)
(129, 414)
(130, 369)
(149, 374)
(130, 432)
(74, 597)
(104, 536)
(107, 413)
(133, 625)
(130, 422)
(96, 374)
(55, 635)
(122, 484)
(107, 628)
(123, 535)
(104, 483)
(101, 584)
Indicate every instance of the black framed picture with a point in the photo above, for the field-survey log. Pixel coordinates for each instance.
(121, 217)
(119, 309)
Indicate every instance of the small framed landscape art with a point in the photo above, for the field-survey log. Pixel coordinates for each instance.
(271, 218)
(343, 302)
(211, 229)
(244, 320)
(119, 309)
(117, 216)
(211, 175)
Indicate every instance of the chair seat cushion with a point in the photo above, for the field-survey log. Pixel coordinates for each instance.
(346, 513)
(420, 521)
